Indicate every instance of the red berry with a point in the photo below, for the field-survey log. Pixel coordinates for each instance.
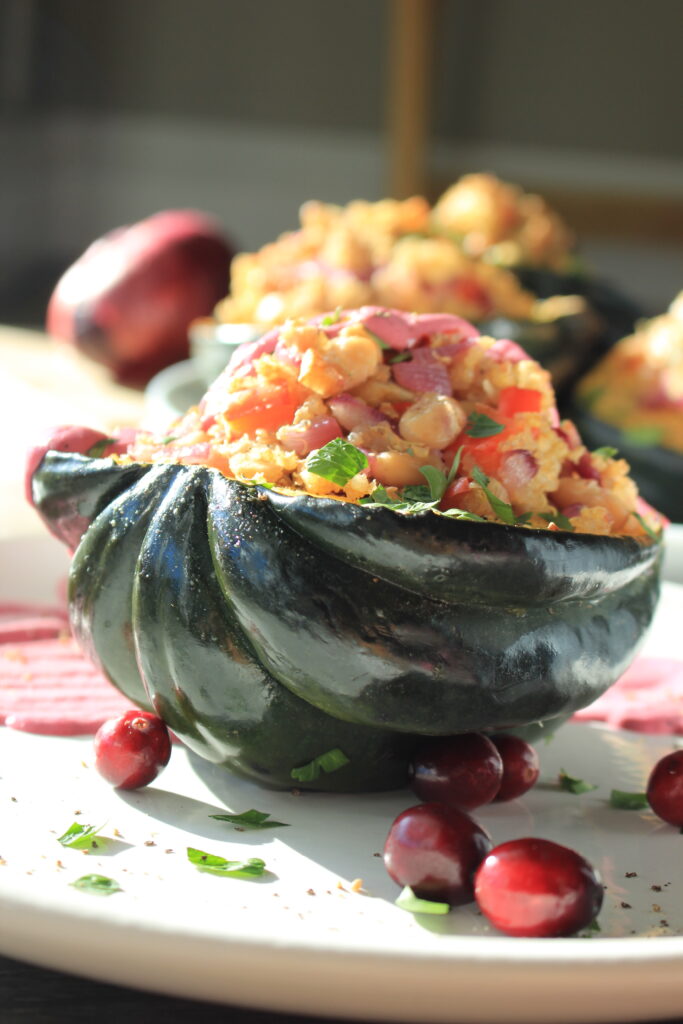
(462, 771)
(131, 750)
(665, 788)
(435, 850)
(534, 887)
(521, 767)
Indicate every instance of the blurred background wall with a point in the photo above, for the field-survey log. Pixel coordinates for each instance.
(113, 109)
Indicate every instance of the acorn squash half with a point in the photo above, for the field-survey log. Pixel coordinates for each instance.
(270, 630)
(658, 471)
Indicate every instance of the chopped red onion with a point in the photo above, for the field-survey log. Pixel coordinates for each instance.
(303, 438)
(586, 469)
(505, 351)
(424, 372)
(518, 467)
(353, 413)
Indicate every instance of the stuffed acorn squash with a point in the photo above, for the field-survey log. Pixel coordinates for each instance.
(394, 253)
(374, 527)
(632, 401)
(499, 223)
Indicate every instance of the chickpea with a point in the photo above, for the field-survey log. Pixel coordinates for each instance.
(434, 420)
(400, 469)
(572, 491)
(355, 356)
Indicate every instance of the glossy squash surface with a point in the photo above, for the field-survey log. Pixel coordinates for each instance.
(268, 629)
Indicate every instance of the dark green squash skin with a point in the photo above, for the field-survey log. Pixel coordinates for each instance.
(618, 312)
(657, 471)
(268, 629)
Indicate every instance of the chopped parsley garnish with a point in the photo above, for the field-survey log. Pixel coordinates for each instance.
(571, 785)
(644, 436)
(417, 497)
(375, 337)
(606, 452)
(436, 481)
(407, 900)
(648, 529)
(592, 928)
(628, 801)
(332, 318)
(330, 761)
(480, 425)
(499, 507)
(168, 439)
(337, 461)
(81, 837)
(402, 357)
(380, 498)
(250, 820)
(96, 451)
(417, 492)
(589, 398)
(560, 520)
(254, 867)
(100, 885)
(461, 513)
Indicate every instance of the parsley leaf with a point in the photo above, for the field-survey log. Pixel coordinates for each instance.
(100, 885)
(254, 867)
(628, 801)
(559, 519)
(500, 508)
(606, 452)
(436, 481)
(648, 529)
(337, 461)
(407, 900)
(401, 357)
(645, 436)
(80, 837)
(331, 318)
(330, 761)
(416, 492)
(589, 398)
(480, 425)
(250, 820)
(96, 450)
(455, 466)
(375, 337)
(460, 513)
(571, 785)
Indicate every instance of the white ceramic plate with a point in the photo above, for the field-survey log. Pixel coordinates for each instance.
(300, 940)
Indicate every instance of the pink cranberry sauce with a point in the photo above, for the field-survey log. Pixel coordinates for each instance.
(47, 685)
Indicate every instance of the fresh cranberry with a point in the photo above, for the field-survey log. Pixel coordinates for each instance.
(534, 887)
(131, 750)
(521, 767)
(435, 850)
(463, 771)
(665, 788)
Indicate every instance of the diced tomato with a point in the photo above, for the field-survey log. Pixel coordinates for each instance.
(452, 496)
(470, 291)
(251, 410)
(218, 460)
(483, 452)
(514, 400)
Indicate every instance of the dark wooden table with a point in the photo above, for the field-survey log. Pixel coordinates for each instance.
(33, 995)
